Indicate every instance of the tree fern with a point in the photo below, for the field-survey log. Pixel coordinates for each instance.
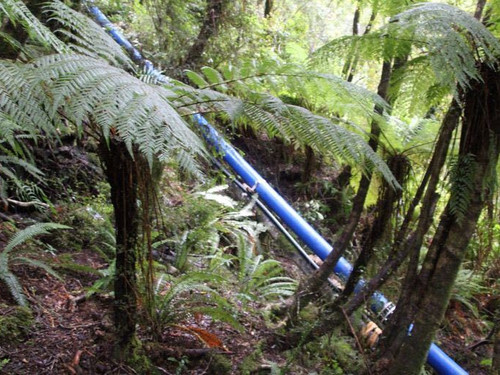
(295, 124)
(443, 43)
(87, 91)
(452, 38)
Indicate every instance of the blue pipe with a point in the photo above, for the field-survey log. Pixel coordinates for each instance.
(436, 358)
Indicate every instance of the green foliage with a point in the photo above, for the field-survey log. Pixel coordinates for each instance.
(11, 180)
(484, 247)
(468, 285)
(3, 362)
(17, 12)
(165, 28)
(453, 39)
(176, 299)
(15, 324)
(86, 37)
(228, 238)
(11, 254)
(441, 43)
(260, 278)
(328, 132)
(332, 355)
(86, 89)
(105, 283)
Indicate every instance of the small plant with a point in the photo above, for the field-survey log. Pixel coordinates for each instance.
(175, 300)
(259, 277)
(14, 254)
(468, 284)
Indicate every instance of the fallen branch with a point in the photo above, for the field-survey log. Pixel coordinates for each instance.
(27, 204)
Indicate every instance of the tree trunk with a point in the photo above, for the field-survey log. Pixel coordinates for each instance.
(402, 247)
(479, 9)
(310, 165)
(480, 142)
(352, 61)
(308, 289)
(388, 197)
(268, 8)
(213, 19)
(121, 172)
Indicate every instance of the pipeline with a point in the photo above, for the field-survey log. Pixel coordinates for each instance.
(379, 304)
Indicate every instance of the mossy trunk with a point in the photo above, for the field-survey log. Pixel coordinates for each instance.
(121, 172)
(479, 142)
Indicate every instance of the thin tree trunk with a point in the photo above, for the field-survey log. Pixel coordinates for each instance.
(400, 167)
(121, 172)
(213, 19)
(352, 62)
(402, 248)
(310, 165)
(268, 8)
(311, 286)
(479, 9)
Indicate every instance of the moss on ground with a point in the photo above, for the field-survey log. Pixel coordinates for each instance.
(15, 322)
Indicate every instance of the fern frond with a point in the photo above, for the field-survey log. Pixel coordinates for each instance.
(17, 12)
(38, 264)
(22, 106)
(15, 288)
(453, 39)
(414, 89)
(89, 90)
(369, 47)
(30, 232)
(28, 167)
(443, 42)
(282, 286)
(87, 37)
(295, 124)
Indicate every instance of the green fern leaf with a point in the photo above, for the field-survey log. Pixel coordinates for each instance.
(16, 11)
(30, 232)
(196, 79)
(14, 286)
(38, 264)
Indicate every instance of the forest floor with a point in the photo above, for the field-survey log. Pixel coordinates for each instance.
(71, 334)
(68, 333)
